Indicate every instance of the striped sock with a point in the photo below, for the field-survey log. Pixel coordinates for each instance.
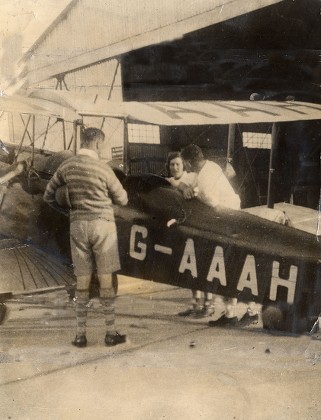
(108, 305)
(82, 300)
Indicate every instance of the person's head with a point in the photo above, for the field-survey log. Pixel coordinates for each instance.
(193, 157)
(175, 164)
(92, 138)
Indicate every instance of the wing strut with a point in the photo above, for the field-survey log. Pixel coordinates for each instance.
(274, 145)
(110, 91)
(23, 136)
(229, 170)
(126, 145)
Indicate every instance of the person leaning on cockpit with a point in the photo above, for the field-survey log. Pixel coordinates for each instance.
(179, 179)
(215, 190)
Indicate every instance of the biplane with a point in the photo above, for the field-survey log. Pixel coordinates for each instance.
(167, 239)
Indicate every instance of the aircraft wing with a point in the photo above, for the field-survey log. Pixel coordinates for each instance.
(184, 113)
(35, 106)
(25, 268)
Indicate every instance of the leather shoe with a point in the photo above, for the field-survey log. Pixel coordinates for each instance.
(80, 341)
(192, 312)
(206, 312)
(248, 319)
(112, 339)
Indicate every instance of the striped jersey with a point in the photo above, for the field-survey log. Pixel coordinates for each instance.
(91, 184)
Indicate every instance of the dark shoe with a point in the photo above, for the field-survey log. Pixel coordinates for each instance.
(205, 312)
(114, 339)
(223, 321)
(192, 312)
(80, 341)
(248, 319)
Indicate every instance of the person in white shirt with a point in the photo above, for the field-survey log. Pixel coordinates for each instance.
(214, 190)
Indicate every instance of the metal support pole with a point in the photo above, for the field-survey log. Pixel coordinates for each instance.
(23, 122)
(230, 142)
(64, 134)
(270, 193)
(11, 127)
(33, 139)
(229, 170)
(110, 92)
(46, 133)
(65, 84)
(75, 125)
(113, 81)
(126, 156)
(61, 81)
(23, 136)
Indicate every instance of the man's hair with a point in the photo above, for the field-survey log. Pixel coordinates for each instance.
(193, 153)
(92, 134)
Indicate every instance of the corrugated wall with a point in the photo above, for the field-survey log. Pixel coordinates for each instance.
(91, 25)
(90, 32)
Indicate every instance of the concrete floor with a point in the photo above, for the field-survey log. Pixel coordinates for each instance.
(170, 368)
(238, 374)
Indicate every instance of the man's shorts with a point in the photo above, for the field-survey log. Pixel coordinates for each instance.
(94, 246)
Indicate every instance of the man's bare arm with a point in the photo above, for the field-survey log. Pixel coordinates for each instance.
(186, 190)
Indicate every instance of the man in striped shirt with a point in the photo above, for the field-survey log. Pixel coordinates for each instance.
(91, 187)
